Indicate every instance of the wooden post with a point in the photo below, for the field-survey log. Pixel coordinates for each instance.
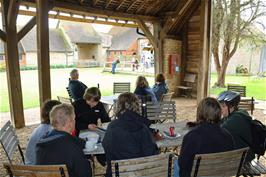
(203, 76)
(43, 50)
(158, 49)
(12, 61)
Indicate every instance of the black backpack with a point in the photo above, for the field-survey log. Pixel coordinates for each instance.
(258, 131)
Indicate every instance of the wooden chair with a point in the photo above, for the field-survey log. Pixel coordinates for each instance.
(36, 170)
(121, 87)
(167, 96)
(247, 104)
(237, 88)
(152, 166)
(257, 167)
(161, 111)
(219, 164)
(10, 142)
(189, 79)
(64, 100)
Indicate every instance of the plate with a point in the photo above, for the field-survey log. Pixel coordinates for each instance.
(167, 135)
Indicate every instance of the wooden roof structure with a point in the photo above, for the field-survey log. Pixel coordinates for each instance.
(168, 17)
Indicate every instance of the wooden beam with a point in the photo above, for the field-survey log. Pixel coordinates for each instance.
(120, 4)
(27, 28)
(132, 5)
(94, 2)
(91, 11)
(204, 62)
(12, 67)
(108, 2)
(85, 20)
(147, 32)
(158, 50)
(3, 35)
(43, 50)
(12, 12)
(141, 6)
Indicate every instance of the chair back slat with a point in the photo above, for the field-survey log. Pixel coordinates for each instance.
(64, 100)
(121, 87)
(219, 164)
(247, 104)
(161, 111)
(167, 96)
(37, 170)
(9, 141)
(153, 166)
(237, 88)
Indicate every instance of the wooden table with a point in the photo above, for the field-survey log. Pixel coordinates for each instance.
(180, 127)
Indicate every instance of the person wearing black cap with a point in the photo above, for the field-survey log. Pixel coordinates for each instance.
(236, 121)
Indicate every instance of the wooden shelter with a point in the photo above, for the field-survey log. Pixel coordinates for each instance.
(180, 35)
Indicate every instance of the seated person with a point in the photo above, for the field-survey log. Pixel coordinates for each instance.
(128, 136)
(143, 91)
(206, 137)
(40, 131)
(76, 87)
(59, 147)
(237, 122)
(160, 86)
(89, 109)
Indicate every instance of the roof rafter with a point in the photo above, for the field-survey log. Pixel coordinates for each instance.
(120, 4)
(132, 5)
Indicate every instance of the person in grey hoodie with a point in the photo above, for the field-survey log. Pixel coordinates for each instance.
(40, 131)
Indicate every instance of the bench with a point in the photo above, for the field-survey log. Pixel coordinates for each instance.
(64, 100)
(159, 112)
(153, 166)
(247, 104)
(237, 88)
(10, 142)
(167, 96)
(189, 79)
(121, 87)
(36, 170)
(219, 164)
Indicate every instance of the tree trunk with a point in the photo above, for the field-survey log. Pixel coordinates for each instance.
(221, 74)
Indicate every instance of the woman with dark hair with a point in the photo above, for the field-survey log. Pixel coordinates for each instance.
(160, 86)
(128, 136)
(143, 91)
(40, 131)
(206, 137)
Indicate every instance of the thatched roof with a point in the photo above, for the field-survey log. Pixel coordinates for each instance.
(80, 32)
(56, 41)
(123, 38)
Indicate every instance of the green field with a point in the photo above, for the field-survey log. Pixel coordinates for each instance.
(256, 87)
(59, 82)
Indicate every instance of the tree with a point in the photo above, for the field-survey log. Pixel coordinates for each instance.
(232, 21)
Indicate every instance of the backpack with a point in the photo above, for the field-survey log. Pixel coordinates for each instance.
(258, 131)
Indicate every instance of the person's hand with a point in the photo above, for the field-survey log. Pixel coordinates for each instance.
(92, 127)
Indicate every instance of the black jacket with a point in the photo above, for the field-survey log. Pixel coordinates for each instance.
(86, 115)
(205, 138)
(61, 148)
(77, 89)
(128, 137)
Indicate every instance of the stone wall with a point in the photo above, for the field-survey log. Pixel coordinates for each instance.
(171, 47)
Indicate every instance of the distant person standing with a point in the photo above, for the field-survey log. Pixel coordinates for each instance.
(76, 88)
(115, 62)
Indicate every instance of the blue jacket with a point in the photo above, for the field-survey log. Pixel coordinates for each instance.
(159, 89)
(77, 89)
(146, 92)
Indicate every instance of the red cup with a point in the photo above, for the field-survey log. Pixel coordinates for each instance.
(172, 131)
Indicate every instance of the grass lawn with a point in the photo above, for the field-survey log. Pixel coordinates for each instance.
(256, 87)
(59, 82)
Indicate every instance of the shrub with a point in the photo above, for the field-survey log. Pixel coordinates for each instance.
(240, 69)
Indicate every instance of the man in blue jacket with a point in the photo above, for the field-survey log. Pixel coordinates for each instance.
(76, 88)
